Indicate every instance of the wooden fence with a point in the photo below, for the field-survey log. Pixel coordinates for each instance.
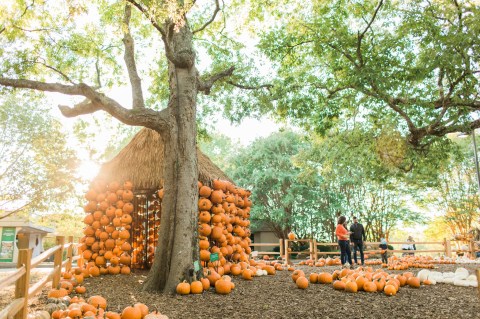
(313, 251)
(21, 277)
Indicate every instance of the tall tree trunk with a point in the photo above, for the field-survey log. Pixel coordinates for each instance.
(178, 241)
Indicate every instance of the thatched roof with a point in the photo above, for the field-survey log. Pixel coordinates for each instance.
(141, 162)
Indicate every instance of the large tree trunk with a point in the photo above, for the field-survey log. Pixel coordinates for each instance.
(178, 241)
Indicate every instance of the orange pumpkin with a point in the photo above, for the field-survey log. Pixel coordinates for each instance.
(302, 282)
(183, 288)
(131, 313)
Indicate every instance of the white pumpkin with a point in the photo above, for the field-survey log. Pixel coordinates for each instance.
(461, 273)
(460, 282)
(259, 272)
(472, 278)
(423, 274)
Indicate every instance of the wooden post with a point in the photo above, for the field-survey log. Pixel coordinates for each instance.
(57, 261)
(68, 266)
(287, 253)
(315, 252)
(448, 247)
(23, 283)
(478, 280)
(310, 248)
(472, 250)
(282, 248)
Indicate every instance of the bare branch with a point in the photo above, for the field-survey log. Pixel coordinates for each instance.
(129, 57)
(249, 87)
(97, 70)
(212, 18)
(56, 70)
(2, 30)
(206, 84)
(373, 18)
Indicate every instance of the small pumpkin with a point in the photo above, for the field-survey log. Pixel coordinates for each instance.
(142, 307)
(339, 285)
(196, 287)
(351, 286)
(413, 282)
(302, 283)
(97, 302)
(80, 289)
(223, 287)
(183, 288)
(131, 313)
(390, 290)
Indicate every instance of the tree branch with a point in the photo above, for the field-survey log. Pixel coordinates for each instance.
(206, 84)
(129, 57)
(95, 101)
(56, 70)
(212, 18)
(149, 17)
(250, 87)
(361, 35)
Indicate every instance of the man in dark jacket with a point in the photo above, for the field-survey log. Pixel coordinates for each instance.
(357, 237)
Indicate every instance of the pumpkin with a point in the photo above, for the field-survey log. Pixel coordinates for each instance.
(390, 290)
(39, 315)
(75, 313)
(370, 287)
(351, 286)
(339, 285)
(183, 288)
(427, 282)
(223, 287)
(325, 278)
(247, 274)
(302, 282)
(142, 307)
(131, 313)
(291, 236)
(313, 278)
(51, 307)
(57, 314)
(413, 282)
(112, 315)
(205, 283)
(97, 302)
(125, 270)
(196, 287)
(80, 289)
(297, 273)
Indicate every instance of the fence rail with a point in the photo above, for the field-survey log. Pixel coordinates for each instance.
(314, 252)
(17, 309)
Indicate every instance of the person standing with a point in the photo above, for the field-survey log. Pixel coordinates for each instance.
(357, 236)
(383, 250)
(343, 241)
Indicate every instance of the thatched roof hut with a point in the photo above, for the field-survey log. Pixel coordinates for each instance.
(141, 162)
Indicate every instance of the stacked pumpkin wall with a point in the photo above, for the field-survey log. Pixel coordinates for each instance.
(105, 246)
(224, 212)
(121, 224)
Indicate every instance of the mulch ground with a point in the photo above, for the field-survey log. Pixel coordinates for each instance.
(277, 297)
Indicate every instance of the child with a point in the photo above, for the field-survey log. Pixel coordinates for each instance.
(384, 248)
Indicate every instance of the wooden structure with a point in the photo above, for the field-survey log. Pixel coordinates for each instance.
(21, 277)
(141, 162)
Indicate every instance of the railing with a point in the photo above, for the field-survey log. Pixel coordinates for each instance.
(279, 244)
(314, 252)
(21, 276)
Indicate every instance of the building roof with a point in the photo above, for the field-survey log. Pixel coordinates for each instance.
(26, 226)
(141, 162)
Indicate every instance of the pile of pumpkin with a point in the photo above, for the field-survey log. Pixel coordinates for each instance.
(218, 277)
(105, 246)
(321, 262)
(70, 282)
(94, 307)
(406, 262)
(360, 279)
(223, 222)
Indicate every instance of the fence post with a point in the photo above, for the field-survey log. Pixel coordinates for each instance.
(68, 266)
(472, 250)
(57, 262)
(287, 253)
(282, 248)
(448, 248)
(23, 283)
(310, 248)
(315, 252)
(478, 280)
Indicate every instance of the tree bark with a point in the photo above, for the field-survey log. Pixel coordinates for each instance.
(177, 247)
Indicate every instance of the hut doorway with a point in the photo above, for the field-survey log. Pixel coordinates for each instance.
(145, 225)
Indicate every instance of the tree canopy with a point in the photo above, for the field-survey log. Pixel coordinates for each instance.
(413, 65)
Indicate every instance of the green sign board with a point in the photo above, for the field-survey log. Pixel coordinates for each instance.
(196, 265)
(213, 257)
(7, 244)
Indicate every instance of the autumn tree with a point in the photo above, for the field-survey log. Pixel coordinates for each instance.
(73, 48)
